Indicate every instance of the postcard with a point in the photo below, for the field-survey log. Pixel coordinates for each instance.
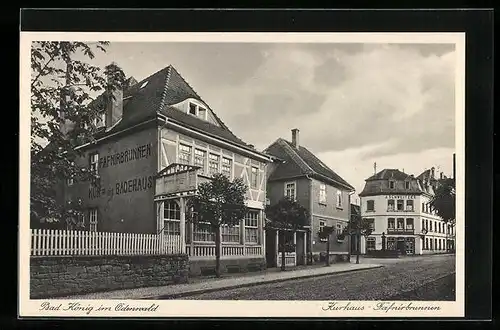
(241, 175)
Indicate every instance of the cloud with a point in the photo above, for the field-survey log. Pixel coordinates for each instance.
(341, 100)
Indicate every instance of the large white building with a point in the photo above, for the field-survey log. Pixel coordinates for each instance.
(397, 205)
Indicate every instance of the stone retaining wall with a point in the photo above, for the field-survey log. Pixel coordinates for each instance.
(56, 276)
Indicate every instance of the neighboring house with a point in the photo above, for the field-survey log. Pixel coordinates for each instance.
(397, 204)
(300, 175)
(158, 141)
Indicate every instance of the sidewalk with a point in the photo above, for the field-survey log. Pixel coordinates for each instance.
(204, 285)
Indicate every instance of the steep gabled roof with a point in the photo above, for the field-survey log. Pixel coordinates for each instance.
(156, 94)
(300, 162)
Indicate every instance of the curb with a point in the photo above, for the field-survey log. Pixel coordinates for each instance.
(243, 285)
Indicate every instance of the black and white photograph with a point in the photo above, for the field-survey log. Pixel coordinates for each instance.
(172, 171)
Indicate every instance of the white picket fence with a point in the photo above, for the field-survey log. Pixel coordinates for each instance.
(72, 242)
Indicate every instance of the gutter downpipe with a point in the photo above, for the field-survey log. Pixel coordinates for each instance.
(309, 253)
(349, 215)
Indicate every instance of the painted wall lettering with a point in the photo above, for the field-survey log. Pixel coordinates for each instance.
(136, 184)
(401, 197)
(136, 153)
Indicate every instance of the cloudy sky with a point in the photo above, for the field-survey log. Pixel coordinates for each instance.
(354, 104)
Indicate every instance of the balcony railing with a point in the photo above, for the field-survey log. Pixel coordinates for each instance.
(409, 209)
(400, 231)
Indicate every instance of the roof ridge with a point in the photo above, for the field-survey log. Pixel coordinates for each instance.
(295, 156)
(165, 88)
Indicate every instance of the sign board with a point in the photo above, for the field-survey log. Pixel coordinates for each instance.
(176, 182)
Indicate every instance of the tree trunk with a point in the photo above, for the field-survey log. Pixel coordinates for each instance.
(217, 251)
(328, 251)
(358, 247)
(283, 259)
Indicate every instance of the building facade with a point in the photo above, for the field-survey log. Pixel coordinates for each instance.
(397, 206)
(300, 175)
(158, 141)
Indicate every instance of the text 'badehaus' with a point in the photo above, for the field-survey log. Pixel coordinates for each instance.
(158, 140)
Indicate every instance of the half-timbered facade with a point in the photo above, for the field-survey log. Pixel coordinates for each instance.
(159, 141)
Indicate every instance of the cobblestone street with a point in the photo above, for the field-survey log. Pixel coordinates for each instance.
(412, 278)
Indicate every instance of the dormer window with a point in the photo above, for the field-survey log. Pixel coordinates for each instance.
(202, 113)
(197, 110)
(392, 184)
(407, 184)
(192, 109)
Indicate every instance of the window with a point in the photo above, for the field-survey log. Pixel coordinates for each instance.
(252, 227)
(371, 223)
(254, 180)
(184, 154)
(93, 219)
(391, 223)
(409, 224)
(400, 204)
(338, 229)
(439, 246)
(203, 233)
(370, 206)
(192, 109)
(339, 199)
(94, 161)
(321, 226)
(390, 205)
(227, 167)
(426, 224)
(200, 159)
(407, 184)
(430, 225)
(423, 207)
(426, 244)
(171, 218)
(431, 246)
(230, 234)
(370, 243)
(401, 223)
(202, 113)
(391, 243)
(392, 184)
(322, 193)
(423, 224)
(409, 205)
(213, 164)
(290, 190)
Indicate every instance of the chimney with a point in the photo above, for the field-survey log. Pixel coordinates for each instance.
(114, 104)
(295, 137)
(374, 168)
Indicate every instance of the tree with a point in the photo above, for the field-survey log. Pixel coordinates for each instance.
(218, 202)
(286, 214)
(357, 227)
(443, 201)
(62, 113)
(326, 232)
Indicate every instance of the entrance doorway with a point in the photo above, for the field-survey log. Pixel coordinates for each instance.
(271, 248)
(410, 245)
